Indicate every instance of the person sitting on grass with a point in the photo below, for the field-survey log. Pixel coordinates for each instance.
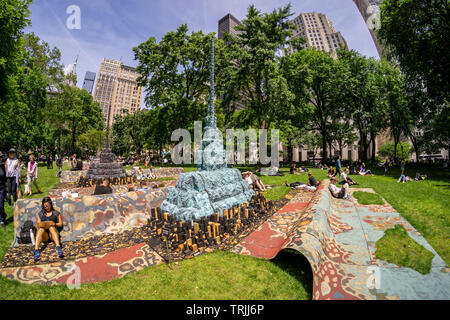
(341, 193)
(103, 188)
(332, 172)
(363, 171)
(48, 221)
(293, 169)
(252, 179)
(344, 178)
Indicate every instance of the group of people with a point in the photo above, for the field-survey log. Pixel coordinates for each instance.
(141, 175)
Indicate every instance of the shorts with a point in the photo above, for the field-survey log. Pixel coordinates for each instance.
(341, 193)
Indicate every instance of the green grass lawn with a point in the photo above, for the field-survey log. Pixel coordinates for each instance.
(219, 275)
(367, 198)
(223, 275)
(397, 247)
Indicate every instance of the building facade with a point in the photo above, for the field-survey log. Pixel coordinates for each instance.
(227, 24)
(319, 32)
(117, 88)
(88, 83)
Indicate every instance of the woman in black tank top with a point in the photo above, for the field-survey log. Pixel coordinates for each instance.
(48, 220)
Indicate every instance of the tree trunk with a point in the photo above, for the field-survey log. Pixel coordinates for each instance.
(373, 146)
(74, 131)
(324, 148)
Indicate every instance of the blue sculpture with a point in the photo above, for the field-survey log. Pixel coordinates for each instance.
(214, 187)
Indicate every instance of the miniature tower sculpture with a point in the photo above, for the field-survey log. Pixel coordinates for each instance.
(214, 187)
(106, 168)
(212, 153)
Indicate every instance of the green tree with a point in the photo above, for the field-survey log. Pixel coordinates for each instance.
(317, 79)
(175, 74)
(363, 98)
(92, 140)
(253, 76)
(129, 132)
(342, 133)
(14, 17)
(73, 112)
(391, 150)
(414, 33)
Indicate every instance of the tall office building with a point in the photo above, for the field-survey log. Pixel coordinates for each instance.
(369, 10)
(117, 87)
(88, 83)
(319, 32)
(227, 24)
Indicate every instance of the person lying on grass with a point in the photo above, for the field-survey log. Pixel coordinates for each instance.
(47, 221)
(344, 178)
(341, 193)
(404, 178)
(420, 177)
(310, 186)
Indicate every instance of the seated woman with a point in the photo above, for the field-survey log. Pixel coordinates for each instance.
(48, 221)
(332, 172)
(363, 171)
(293, 169)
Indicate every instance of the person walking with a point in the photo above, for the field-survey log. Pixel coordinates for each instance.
(32, 175)
(2, 192)
(338, 165)
(12, 168)
(386, 166)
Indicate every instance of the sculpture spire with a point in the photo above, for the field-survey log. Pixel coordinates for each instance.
(211, 118)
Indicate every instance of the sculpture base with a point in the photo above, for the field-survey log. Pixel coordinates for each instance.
(203, 193)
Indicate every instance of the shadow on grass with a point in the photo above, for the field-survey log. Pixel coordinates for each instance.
(296, 264)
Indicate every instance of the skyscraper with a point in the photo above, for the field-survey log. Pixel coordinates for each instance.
(89, 80)
(117, 87)
(369, 10)
(227, 24)
(319, 32)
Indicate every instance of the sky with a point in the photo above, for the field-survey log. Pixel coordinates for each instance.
(111, 28)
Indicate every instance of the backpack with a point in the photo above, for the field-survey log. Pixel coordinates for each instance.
(24, 236)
